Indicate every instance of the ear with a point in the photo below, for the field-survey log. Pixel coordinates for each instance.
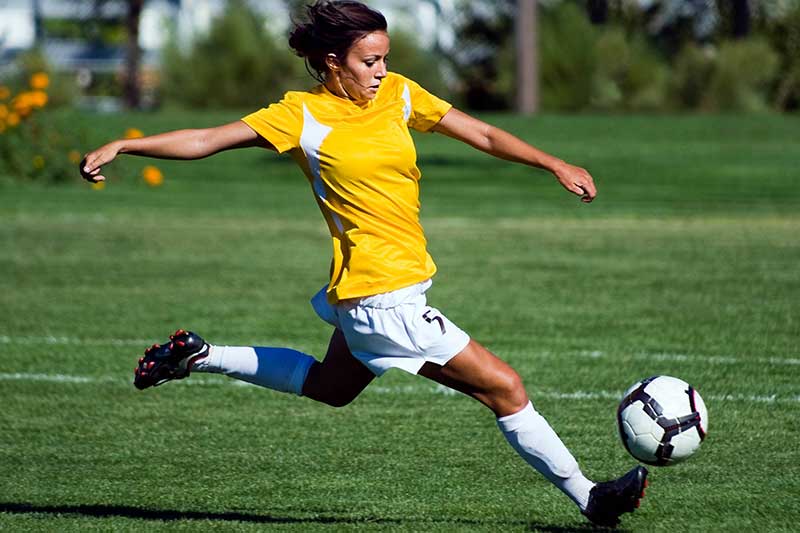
(332, 62)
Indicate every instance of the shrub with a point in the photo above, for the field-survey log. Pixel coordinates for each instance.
(691, 75)
(783, 33)
(735, 77)
(238, 64)
(566, 61)
(62, 89)
(743, 73)
(35, 143)
(628, 75)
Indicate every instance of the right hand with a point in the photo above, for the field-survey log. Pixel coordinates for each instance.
(92, 163)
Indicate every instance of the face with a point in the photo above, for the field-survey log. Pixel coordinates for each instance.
(361, 72)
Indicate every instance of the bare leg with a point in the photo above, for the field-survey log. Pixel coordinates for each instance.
(478, 373)
(339, 378)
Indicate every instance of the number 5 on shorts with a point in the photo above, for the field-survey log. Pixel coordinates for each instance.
(430, 319)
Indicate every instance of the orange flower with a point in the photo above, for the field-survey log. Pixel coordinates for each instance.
(133, 133)
(152, 176)
(3, 111)
(37, 98)
(40, 81)
(12, 119)
(5, 92)
(74, 156)
(22, 104)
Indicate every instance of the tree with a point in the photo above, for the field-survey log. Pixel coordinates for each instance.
(482, 55)
(133, 56)
(598, 11)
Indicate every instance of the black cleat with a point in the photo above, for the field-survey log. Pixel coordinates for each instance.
(174, 360)
(610, 499)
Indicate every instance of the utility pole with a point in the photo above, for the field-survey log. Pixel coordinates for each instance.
(525, 29)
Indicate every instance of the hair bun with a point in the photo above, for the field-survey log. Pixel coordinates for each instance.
(301, 39)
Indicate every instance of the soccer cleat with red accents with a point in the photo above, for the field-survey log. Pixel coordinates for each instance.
(173, 360)
(610, 499)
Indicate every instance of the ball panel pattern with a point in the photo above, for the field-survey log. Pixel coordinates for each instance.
(661, 410)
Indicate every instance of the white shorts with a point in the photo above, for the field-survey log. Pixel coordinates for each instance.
(393, 330)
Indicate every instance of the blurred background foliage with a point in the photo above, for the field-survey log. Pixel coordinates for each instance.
(239, 63)
(594, 55)
(615, 55)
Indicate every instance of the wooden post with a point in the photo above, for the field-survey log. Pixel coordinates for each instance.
(525, 29)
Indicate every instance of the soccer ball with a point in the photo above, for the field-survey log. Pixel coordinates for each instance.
(662, 420)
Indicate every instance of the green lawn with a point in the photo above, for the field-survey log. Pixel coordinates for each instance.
(687, 265)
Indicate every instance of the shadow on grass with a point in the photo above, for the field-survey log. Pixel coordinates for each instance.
(581, 528)
(124, 511)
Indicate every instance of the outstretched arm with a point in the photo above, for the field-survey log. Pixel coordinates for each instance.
(502, 144)
(180, 144)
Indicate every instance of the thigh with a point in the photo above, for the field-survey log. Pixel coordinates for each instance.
(340, 377)
(477, 372)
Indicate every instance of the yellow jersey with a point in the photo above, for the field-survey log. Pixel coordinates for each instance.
(361, 163)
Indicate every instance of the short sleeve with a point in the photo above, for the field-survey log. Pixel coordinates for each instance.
(281, 123)
(426, 109)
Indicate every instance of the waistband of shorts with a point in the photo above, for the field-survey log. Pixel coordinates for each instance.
(387, 300)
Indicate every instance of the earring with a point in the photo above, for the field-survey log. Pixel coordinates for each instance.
(331, 60)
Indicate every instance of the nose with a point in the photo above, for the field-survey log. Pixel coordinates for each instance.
(381, 71)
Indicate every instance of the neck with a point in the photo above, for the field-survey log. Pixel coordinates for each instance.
(334, 85)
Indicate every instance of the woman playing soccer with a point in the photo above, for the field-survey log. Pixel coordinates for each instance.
(350, 136)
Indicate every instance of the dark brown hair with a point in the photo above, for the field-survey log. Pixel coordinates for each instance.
(332, 27)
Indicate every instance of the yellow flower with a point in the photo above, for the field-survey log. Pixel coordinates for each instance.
(152, 176)
(38, 162)
(12, 119)
(99, 185)
(74, 156)
(133, 133)
(40, 81)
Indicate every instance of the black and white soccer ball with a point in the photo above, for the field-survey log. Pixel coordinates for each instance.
(662, 420)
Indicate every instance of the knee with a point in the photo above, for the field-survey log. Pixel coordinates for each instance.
(339, 399)
(331, 389)
(510, 395)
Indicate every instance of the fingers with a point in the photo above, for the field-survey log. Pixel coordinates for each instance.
(91, 166)
(587, 190)
(577, 181)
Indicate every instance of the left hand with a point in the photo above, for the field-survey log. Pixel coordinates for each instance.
(576, 180)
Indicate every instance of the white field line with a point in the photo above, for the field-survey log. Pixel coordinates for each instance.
(379, 389)
(73, 341)
(590, 354)
(711, 359)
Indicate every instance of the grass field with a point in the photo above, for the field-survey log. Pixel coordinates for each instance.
(687, 264)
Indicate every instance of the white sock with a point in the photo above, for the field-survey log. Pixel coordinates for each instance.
(279, 369)
(533, 438)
